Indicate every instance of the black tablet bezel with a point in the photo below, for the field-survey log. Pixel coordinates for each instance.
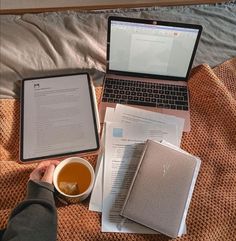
(95, 126)
(152, 22)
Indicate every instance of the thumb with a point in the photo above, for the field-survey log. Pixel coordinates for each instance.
(47, 177)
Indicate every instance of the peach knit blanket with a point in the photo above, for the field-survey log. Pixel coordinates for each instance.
(212, 213)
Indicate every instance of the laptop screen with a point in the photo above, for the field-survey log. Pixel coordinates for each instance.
(153, 48)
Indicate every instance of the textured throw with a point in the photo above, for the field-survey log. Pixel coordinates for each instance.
(212, 213)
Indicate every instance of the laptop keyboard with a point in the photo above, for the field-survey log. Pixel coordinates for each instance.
(145, 94)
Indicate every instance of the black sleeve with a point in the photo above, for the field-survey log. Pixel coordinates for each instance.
(34, 219)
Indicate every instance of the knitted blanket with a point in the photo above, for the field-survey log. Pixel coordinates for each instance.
(212, 213)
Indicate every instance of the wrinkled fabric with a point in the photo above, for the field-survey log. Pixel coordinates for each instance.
(34, 45)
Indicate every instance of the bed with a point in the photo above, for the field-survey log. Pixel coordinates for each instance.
(67, 42)
(59, 42)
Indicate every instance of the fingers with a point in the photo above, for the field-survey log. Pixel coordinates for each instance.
(45, 164)
(44, 171)
(37, 173)
(47, 177)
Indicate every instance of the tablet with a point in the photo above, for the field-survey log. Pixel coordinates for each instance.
(58, 117)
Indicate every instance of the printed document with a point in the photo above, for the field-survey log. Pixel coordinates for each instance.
(129, 114)
(124, 145)
(126, 114)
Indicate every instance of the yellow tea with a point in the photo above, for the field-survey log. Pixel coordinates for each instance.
(74, 178)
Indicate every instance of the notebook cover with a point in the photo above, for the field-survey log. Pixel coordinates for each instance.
(161, 189)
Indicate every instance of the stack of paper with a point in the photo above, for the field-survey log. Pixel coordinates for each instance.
(125, 131)
(162, 188)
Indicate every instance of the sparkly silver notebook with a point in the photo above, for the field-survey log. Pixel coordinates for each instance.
(161, 190)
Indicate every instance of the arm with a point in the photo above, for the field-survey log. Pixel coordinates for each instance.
(35, 219)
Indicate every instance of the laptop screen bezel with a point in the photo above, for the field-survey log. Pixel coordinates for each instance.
(151, 22)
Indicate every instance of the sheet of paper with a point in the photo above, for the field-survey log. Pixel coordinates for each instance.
(124, 144)
(95, 203)
(129, 114)
(111, 116)
(96, 196)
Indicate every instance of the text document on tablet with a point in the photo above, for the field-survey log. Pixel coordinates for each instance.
(58, 117)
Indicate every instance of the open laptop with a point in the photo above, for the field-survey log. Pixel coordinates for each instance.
(148, 64)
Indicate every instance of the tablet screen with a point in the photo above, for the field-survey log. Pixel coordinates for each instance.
(58, 117)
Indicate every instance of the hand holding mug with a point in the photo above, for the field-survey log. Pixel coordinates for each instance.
(44, 171)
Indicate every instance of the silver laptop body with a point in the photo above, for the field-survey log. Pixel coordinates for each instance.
(148, 64)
